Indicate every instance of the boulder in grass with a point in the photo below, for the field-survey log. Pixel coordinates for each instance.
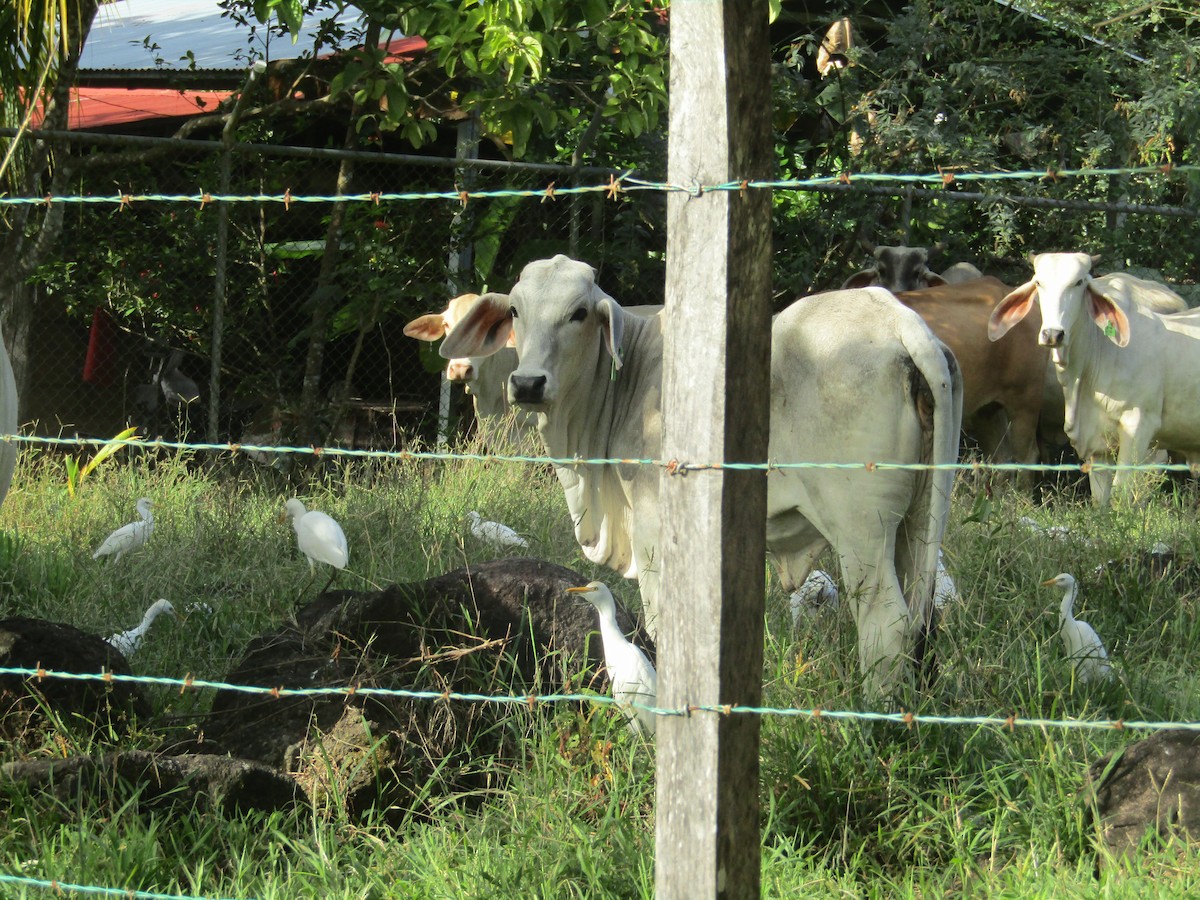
(503, 627)
(155, 782)
(1148, 787)
(97, 706)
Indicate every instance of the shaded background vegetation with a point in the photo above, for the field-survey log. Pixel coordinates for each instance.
(955, 86)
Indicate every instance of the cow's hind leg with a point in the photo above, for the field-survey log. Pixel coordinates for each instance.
(880, 615)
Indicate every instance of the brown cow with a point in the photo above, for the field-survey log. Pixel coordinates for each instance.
(1008, 375)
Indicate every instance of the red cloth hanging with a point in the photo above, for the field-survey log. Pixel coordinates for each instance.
(100, 366)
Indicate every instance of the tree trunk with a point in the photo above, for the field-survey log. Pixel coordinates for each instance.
(327, 293)
(25, 245)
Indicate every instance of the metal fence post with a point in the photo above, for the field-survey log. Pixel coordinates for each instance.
(460, 263)
(228, 133)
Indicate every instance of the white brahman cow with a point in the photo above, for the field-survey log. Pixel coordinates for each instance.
(484, 377)
(1132, 380)
(856, 378)
(907, 269)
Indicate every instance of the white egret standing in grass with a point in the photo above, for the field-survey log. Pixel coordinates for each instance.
(494, 533)
(630, 672)
(129, 641)
(131, 536)
(1083, 645)
(320, 537)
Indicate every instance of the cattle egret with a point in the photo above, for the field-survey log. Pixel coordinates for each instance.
(131, 536)
(944, 590)
(177, 389)
(1083, 645)
(129, 641)
(1055, 531)
(321, 539)
(629, 670)
(499, 536)
(817, 592)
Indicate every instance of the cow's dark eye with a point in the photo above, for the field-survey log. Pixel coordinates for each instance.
(579, 315)
(512, 312)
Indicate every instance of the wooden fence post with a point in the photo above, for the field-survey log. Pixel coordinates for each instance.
(715, 408)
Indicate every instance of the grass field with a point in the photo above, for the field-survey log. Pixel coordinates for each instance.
(849, 810)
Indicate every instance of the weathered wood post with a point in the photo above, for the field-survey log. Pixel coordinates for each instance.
(715, 408)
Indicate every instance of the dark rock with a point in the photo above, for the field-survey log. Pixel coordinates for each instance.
(96, 705)
(1149, 786)
(503, 627)
(155, 782)
(1138, 571)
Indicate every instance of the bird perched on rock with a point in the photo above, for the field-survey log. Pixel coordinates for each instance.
(1083, 645)
(320, 537)
(817, 592)
(499, 536)
(131, 536)
(629, 670)
(129, 641)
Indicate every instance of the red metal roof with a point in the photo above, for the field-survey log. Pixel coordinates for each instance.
(98, 107)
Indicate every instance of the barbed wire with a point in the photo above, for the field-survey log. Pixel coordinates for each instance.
(61, 887)
(1011, 722)
(672, 466)
(616, 185)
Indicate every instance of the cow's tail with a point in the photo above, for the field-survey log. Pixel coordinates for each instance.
(939, 387)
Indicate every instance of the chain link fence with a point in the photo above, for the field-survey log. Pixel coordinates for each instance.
(283, 334)
(122, 324)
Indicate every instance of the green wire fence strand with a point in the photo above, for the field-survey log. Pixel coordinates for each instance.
(674, 467)
(616, 185)
(60, 888)
(815, 713)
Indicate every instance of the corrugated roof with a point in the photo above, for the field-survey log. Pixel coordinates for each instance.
(100, 107)
(134, 35)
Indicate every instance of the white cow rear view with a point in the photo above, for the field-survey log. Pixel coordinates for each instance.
(856, 377)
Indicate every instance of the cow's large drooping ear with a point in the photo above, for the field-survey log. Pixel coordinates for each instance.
(1011, 310)
(865, 278)
(612, 316)
(1109, 317)
(426, 328)
(482, 331)
(933, 279)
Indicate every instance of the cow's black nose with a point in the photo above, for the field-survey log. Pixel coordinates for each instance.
(1051, 337)
(527, 388)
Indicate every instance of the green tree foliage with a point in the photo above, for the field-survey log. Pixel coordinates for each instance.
(525, 66)
(965, 86)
